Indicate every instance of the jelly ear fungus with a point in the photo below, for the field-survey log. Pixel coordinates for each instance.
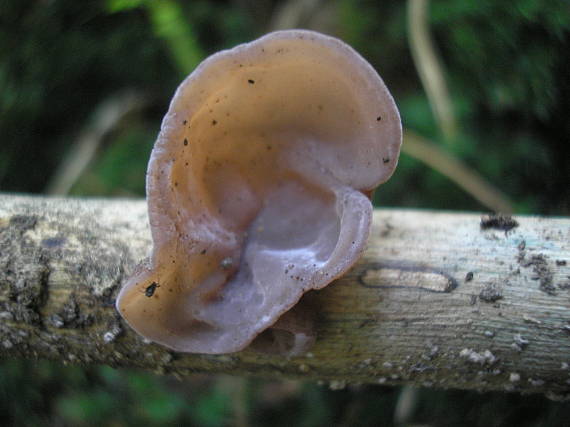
(258, 191)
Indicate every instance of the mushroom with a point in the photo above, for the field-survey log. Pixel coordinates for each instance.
(259, 190)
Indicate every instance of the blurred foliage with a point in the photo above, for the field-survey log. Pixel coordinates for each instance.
(43, 393)
(101, 396)
(120, 169)
(506, 66)
(169, 23)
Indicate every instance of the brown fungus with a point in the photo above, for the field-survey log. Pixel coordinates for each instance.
(241, 231)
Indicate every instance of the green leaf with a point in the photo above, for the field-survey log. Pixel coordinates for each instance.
(115, 6)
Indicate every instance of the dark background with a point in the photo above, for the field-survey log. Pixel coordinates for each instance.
(86, 82)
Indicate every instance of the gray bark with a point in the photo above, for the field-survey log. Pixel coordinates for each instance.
(435, 301)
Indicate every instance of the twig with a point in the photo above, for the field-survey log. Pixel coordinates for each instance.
(106, 116)
(429, 67)
(457, 171)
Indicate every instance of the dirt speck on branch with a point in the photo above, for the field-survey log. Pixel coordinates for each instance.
(498, 222)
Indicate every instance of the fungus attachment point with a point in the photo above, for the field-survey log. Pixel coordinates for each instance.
(270, 198)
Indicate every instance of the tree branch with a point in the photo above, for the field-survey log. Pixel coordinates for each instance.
(436, 300)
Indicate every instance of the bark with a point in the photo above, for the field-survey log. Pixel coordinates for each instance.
(437, 300)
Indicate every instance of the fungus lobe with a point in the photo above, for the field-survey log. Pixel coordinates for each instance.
(241, 230)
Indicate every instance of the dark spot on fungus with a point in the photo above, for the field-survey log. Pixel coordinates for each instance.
(386, 159)
(149, 291)
(378, 118)
(469, 276)
(184, 122)
(250, 81)
(203, 252)
(185, 141)
(214, 122)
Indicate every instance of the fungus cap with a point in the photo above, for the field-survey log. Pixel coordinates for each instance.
(258, 189)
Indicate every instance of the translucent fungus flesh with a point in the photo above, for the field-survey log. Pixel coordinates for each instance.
(258, 189)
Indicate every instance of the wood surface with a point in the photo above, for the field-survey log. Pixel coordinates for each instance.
(436, 301)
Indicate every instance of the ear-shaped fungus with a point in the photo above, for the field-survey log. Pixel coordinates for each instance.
(258, 189)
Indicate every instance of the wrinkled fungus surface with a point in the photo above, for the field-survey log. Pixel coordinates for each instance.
(258, 190)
